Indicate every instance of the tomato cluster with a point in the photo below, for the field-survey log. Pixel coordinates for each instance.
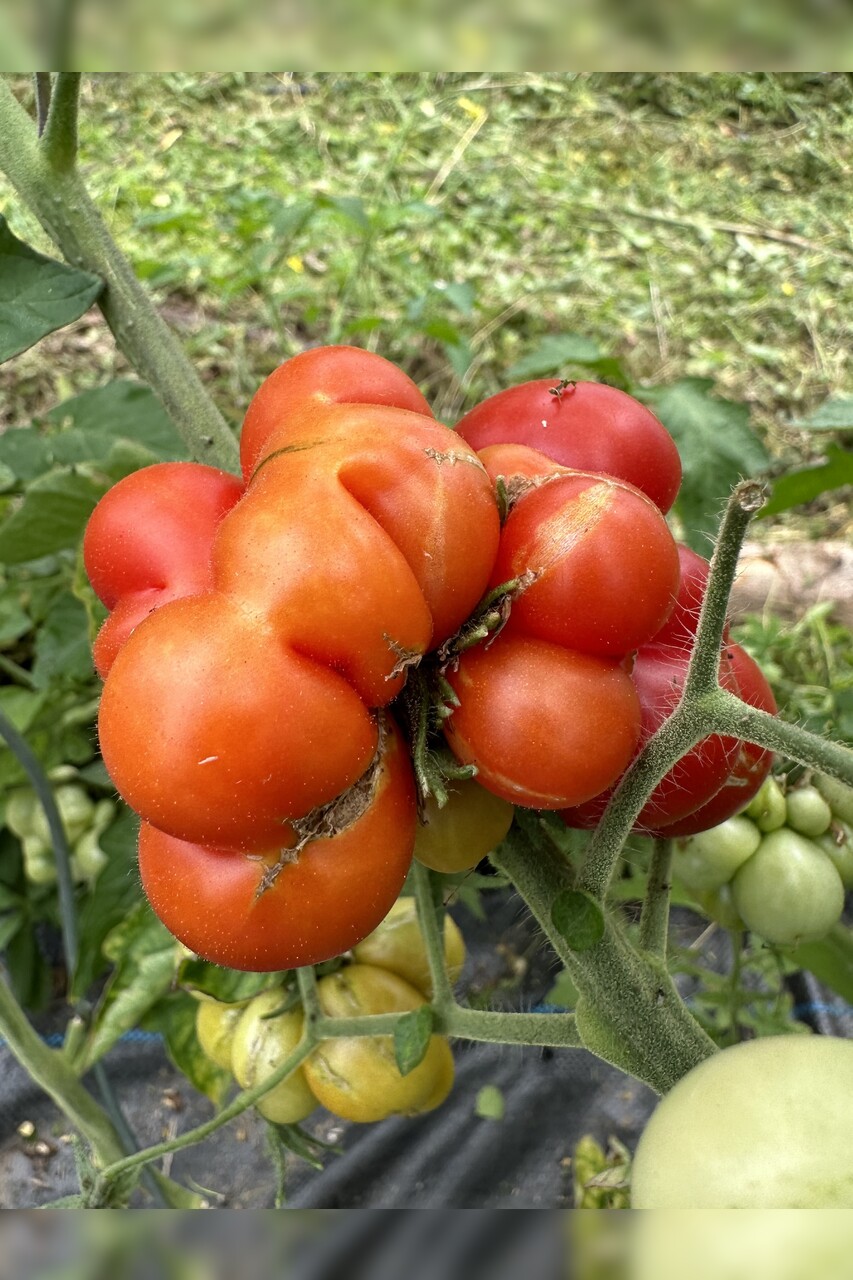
(781, 868)
(261, 632)
(356, 1078)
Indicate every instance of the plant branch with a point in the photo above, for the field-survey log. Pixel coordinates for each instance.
(60, 201)
(306, 979)
(654, 917)
(551, 1030)
(59, 140)
(731, 716)
(431, 920)
(43, 90)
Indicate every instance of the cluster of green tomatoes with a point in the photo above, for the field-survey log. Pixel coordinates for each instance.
(780, 868)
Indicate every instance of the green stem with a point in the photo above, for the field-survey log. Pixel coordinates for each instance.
(731, 716)
(59, 200)
(235, 1108)
(654, 917)
(552, 1030)
(306, 979)
(43, 90)
(431, 920)
(59, 140)
(51, 1072)
(629, 1012)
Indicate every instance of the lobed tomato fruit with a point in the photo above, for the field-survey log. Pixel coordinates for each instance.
(215, 1024)
(512, 720)
(264, 1038)
(460, 834)
(837, 844)
(807, 812)
(766, 1124)
(275, 910)
(357, 1078)
(708, 860)
(587, 426)
(789, 890)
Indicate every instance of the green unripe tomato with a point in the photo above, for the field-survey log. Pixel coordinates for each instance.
(718, 905)
(808, 812)
(710, 859)
(470, 826)
(788, 891)
(21, 808)
(398, 944)
(766, 1124)
(768, 809)
(262, 1043)
(838, 796)
(837, 844)
(215, 1025)
(39, 861)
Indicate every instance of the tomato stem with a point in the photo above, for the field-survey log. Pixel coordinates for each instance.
(654, 917)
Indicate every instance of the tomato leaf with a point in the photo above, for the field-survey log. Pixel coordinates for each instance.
(830, 960)
(578, 919)
(411, 1038)
(808, 483)
(51, 517)
(230, 986)
(717, 446)
(835, 414)
(114, 895)
(40, 294)
(552, 354)
(123, 409)
(175, 1018)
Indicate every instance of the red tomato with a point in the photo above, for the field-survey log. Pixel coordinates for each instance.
(545, 726)
(751, 765)
(584, 425)
(658, 675)
(604, 560)
(331, 896)
(148, 541)
(319, 377)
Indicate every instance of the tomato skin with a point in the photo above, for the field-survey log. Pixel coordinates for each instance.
(752, 764)
(512, 720)
(587, 426)
(261, 1044)
(605, 564)
(339, 889)
(397, 944)
(659, 673)
(149, 541)
(215, 1024)
(789, 891)
(472, 823)
(765, 1124)
(320, 377)
(357, 1078)
(707, 861)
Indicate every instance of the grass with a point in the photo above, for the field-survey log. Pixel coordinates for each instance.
(690, 223)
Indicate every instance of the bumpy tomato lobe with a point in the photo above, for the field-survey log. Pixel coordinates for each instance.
(236, 910)
(604, 564)
(584, 425)
(542, 723)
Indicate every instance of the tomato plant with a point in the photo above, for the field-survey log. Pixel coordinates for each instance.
(762, 1125)
(789, 890)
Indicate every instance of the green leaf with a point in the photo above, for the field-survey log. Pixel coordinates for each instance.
(145, 956)
(62, 648)
(39, 295)
(490, 1103)
(228, 985)
(175, 1018)
(552, 354)
(51, 517)
(121, 409)
(14, 622)
(460, 294)
(717, 446)
(564, 992)
(176, 1196)
(830, 960)
(10, 923)
(805, 485)
(835, 414)
(350, 207)
(21, 706)
(24, 451)
(578, 918)
(411, 1038)
(114, 895)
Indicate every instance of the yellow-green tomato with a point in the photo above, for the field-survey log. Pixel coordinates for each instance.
(261, 1044)
(838, 796)
(710, 859)
(718, 905)
(788, 891)
(837, 844)
(470, 826)
(767, 1124)
(398, 944)
(808, 812)
(768, 809)
(357, 1078)
(215, 1024)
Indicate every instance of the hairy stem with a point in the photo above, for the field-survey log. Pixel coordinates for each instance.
(58, 198)
(654, 918)
(431, 920)
(59, 139)
(731, 716)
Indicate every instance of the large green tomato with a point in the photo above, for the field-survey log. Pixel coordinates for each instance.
(710, 859)
(767, 1124)
(398, 944)
(263, 1039)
